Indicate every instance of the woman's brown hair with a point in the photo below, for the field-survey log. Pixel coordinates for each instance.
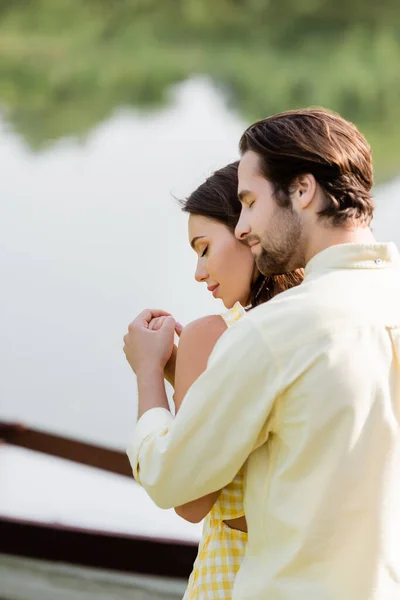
(217, 199)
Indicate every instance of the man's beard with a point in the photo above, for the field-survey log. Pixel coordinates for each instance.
(281, 245)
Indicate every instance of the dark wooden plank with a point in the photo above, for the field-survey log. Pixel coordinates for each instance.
(119, 552)
(63, 447)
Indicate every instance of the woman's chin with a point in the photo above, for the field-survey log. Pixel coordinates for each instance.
(230, 301)
(227, 302)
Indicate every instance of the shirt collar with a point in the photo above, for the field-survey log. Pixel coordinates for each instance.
(355, 256)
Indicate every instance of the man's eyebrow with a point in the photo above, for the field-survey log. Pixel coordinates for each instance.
(243, 194)
(194, 240)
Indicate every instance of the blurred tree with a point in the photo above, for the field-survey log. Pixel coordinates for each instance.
(69, 64)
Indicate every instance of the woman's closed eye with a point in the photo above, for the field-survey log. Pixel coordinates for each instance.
(204, 252)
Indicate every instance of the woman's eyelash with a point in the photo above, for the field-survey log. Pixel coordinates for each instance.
(251, 203)
(204, 252)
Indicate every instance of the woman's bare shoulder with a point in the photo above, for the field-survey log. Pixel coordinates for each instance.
(205, 329)
(196, 343)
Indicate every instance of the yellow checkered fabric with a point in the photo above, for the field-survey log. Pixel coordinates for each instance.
(222, 548)
(234, 314)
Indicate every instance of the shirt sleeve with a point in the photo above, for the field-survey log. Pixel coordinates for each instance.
(179, 459)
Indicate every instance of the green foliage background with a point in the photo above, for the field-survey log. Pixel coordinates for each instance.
(65, 65)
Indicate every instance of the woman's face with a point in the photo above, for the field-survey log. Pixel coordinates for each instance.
(224, 264)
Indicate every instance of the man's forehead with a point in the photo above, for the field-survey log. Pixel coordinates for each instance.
(249, 174)
(249, 164)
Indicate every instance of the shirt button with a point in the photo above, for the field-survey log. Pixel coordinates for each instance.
(378, 261)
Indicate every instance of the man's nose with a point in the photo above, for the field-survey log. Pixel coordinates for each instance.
(242, 228)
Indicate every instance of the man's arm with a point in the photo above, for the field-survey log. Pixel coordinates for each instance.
(196, 344)
(180, 459)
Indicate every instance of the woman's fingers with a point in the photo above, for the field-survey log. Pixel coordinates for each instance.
(151, 313)
(156, 324)
(153, 320)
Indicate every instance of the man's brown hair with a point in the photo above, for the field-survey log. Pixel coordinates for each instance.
(321, 143)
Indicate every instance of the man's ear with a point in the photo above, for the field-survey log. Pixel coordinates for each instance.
(304, 188)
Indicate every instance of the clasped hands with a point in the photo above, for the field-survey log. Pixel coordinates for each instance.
(149, 344)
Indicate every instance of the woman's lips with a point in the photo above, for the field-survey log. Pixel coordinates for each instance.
(213, 289)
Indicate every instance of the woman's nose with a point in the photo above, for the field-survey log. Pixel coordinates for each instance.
(201, 273)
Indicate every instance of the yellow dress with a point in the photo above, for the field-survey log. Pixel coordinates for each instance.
(221, 548)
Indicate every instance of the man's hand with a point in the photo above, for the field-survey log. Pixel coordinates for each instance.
(146, 348)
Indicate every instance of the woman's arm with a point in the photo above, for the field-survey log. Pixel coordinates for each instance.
(169, 370)
(196, 344)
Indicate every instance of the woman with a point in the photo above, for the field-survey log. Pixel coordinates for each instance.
(227, 266)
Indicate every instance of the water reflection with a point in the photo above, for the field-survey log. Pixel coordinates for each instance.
(90, 234)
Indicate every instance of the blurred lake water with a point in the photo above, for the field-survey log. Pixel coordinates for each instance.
(90, 234)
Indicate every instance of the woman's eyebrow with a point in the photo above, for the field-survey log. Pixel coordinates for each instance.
(194, 240)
